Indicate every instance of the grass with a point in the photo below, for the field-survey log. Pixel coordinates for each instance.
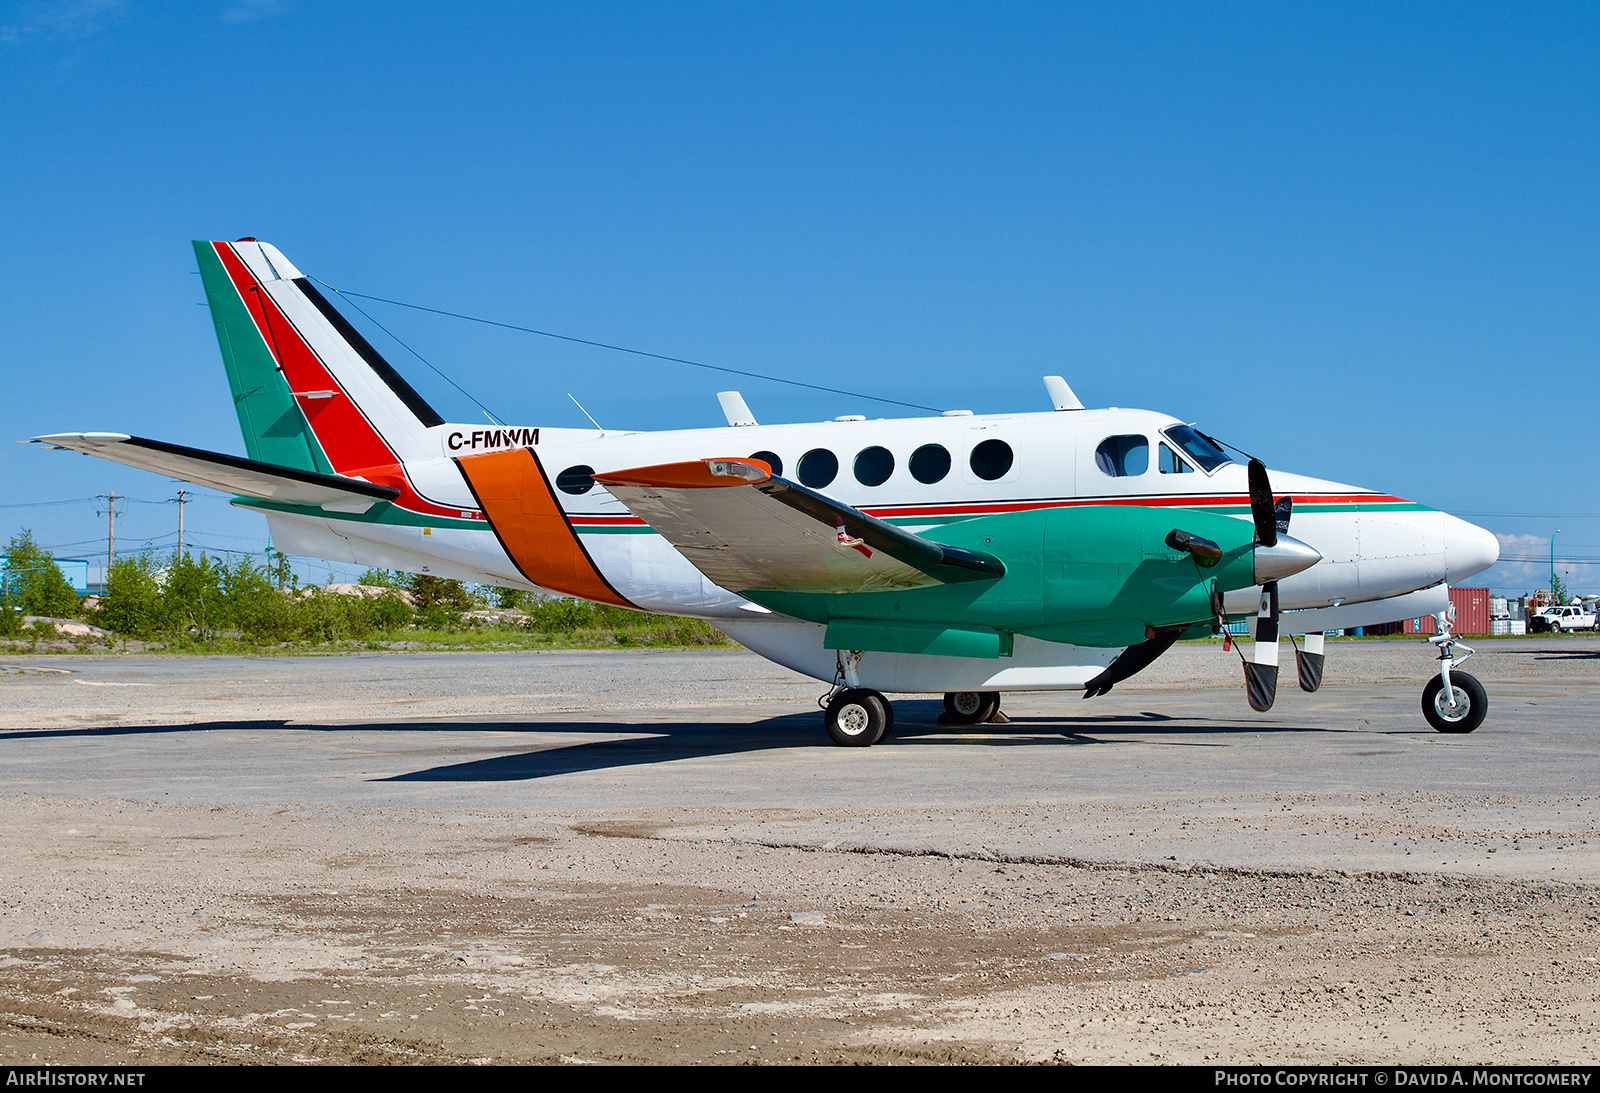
(637, 631)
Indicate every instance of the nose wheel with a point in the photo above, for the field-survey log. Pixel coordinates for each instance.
(1453, 701)
(1462, 710)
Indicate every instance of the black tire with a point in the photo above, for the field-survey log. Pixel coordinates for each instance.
(1555, 627)
(970, 707)
(857, 718)
(1472, 702)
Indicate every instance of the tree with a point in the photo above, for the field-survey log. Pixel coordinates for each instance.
(132, 603)
(34, 582)
(510, 599)
(440, 601)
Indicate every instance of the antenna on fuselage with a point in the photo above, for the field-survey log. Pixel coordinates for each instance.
(1061, 395)
(735, 409)
(587, 414)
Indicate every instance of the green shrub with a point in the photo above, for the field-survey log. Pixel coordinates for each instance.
(132, 603)
(510, 599)
(34, 582)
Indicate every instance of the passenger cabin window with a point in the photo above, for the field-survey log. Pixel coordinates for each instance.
(991, 460)
(576, 480)
(1123, 456)
(1171, 464)
(770, 459)
(818, 467)
(930, 463)
(874, 466)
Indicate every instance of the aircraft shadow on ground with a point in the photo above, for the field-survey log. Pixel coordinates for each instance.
(1552, 654)
(648, 743)
(915, 725)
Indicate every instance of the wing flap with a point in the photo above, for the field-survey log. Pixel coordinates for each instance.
(228, 473)
(747, 529)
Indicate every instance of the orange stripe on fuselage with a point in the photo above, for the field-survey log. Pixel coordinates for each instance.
(515, 494)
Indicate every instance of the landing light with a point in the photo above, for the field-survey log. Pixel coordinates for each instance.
(732, 468)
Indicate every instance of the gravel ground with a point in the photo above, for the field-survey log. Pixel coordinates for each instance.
(266, 926)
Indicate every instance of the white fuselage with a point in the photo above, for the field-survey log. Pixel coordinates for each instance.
(1374, 547)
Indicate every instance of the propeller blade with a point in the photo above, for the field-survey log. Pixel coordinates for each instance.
(1308, 663)
(1261, 506)
(1283, 510)
(1261, 670)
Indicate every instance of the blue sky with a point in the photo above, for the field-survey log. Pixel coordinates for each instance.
(1357, 240)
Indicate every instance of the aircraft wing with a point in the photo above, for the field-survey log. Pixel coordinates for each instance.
(747, 529)
(228, 473)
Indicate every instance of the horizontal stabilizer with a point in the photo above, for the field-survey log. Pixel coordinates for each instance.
(747, 529)
(228, 473)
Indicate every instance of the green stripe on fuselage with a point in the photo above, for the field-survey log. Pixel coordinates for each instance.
(382, 512)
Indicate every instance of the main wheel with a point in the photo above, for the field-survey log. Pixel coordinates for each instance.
(857, 718)
(971, 707)
(1466, 714)
(1555, 628)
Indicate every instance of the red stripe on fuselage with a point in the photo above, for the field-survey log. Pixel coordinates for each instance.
(994, 508)
(352, 445)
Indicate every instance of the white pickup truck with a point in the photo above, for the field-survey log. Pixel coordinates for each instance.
(1571, 617)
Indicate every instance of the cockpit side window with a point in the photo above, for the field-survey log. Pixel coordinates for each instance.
(1198, 448)
(1123, 456)
(1172, 463)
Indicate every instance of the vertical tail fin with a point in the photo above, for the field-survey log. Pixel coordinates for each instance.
(311, 393)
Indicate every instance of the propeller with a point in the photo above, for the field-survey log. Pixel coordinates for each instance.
(1277, 555)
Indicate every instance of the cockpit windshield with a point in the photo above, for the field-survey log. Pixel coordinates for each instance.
(1197, 447)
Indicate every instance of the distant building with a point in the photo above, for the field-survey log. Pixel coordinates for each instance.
(75, 570)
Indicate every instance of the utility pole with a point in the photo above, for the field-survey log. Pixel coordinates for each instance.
(111, 534)
(183, 498)
(1553, 535)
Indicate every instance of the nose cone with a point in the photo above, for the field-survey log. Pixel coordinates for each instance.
(1284, 559)
(1468, 549)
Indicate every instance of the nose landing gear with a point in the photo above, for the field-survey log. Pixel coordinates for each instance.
(1453, 701)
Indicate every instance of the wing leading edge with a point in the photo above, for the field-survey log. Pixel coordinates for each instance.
(747, 529)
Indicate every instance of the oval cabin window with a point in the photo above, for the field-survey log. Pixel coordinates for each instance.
(930, 463)
(818, 468)
(576, 480)
(991, 460)
(874, 466)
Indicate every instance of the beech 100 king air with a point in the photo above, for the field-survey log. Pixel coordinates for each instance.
(961, 554)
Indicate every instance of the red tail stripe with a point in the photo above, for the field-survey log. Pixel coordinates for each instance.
(352, 445)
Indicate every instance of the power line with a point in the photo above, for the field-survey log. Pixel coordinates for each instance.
(613, 348)
(1539, 515)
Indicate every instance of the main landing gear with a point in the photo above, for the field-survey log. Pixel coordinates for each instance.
(1452, 701)
(856, 716)
(971, 708)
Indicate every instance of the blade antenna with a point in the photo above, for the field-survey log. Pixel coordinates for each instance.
(587, 414)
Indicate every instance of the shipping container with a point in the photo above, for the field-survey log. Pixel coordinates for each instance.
(1472, 614)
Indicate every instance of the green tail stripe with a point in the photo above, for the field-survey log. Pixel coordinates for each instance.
(275, 431)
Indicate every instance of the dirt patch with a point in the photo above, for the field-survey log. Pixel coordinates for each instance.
(298, 935)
